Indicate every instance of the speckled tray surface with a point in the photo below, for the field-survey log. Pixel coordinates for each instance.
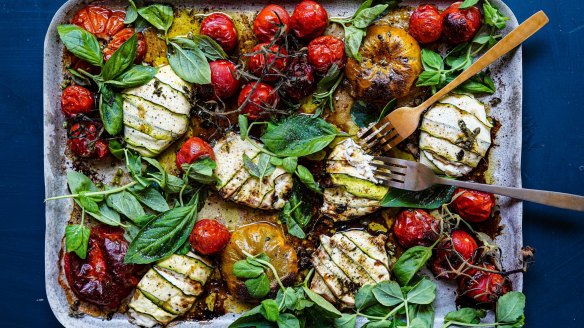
(504, 160)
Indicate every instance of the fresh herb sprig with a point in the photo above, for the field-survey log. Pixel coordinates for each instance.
(325, 89)
(509, 313)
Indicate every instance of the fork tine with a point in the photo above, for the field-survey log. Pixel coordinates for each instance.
(394, 142)
(371, 140)
(392, 161)
(390, 176)
(389, 140)
(392, 183)
(394, 169)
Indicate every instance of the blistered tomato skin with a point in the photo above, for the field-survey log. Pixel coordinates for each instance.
(93, 19)
(83, 141)
(209, 237)
(223, 78)
(309, 20)
(415, 227)
(103, 278)
(325, 51)
(473, 206)
(268, 22)
(122, 36)
(481, 287)
(192, 150)
(426, 24)
(269, 63)
(220, 28)
(454, 255)
(299, 81)
(76, 100)
(260, 96)
(460, 25)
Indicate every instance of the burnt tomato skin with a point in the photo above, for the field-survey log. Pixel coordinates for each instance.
(122, 36)
(268, 22)
(325, 51)
(426, 24)
(192, 150)
(460, 25)
(220, 28)
(83, 141)
(209, 237)
(473, 206)
(269, 63)
(299, 81)
(223, 78)
(481, 287)
(309, 20)
(103, 278)
(76, 100)
(260, 95)
(415, 227)
(453, 255)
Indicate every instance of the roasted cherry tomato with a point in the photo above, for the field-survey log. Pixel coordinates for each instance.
(76, 100)
(482, 287)
(209, 237)
(220, 28)
(415, 227)
(426, 24)
(309, 20)
(453, 256)
(325, 51)
(263, 98)
(84, 141)
(122, 36)
(270, 63)
(192, 150)
(103, 278)
(223, 79)
(100, 21)
(299, 81)
(460, 25)
(472, 205)
(269, 21)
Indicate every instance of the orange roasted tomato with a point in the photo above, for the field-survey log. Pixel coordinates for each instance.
(454, 255)
(269, 63)
(472, 205)
(192, 150)
(209, 237)
(76, 100)
(481, 287)
(415, 227)
(309, 20)
(224, 79)
(426, 24)
(220, 28)
(269, 21)
(256, 99)
(325, 51)
(460, 25)
(84, 141)
(255, 239)
(122, 36)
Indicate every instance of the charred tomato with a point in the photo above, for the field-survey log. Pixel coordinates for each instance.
(453, 255)
(256, 99)
(102, 278)
(269, 62)
(415, 227)
(192, 150)
(299, 81)
(426, 24)
(209, 237)
(224, 79)
(309, 20)
(76, 100)
(472, 205)
(269, 21)
(122, 36)
(325, 51)
(483, 286)
(460, 25)
(220, 28)
(83, 141)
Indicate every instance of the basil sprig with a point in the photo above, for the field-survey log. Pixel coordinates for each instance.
(430, 198)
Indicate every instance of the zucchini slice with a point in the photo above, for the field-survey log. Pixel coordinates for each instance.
(164, 294)
(191, 267)
(143, 310)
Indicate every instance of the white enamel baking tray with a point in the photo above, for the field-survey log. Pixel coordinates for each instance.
(504, 161)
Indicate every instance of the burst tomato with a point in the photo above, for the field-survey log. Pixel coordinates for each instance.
(426, 24)
(83, 141)
(122, 36)
(192, 150)
(309, 20)
(453, 255)
(325, 51)
(224, 81)
(415, 227)
(76, 100)
(482, 287)
(100, 21)
(460, 25)
(269, 63)
(299, 81)
(209, 237)
(269, 21)
(472, 205)
(103, 278)
(256, 99)
(220, 28)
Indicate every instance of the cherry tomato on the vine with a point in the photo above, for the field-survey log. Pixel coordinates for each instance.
(416, 227)
(269, 21)
(192, 150)
(453, 256)
(309, 20)
(83, 141)
(426, 24)
(220, 28)
(325, 51)
(483, 287)
(299, 81)
(122, 36)
(460, 25)
(257, 99)
(223, 79)
(76, 100)
(270, 63)
(209, 237)
(472, 205)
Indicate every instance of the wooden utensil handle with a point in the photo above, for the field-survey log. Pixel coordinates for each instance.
(550, 198)
(508, 43)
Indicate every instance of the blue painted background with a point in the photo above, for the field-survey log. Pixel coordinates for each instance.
(553, 159)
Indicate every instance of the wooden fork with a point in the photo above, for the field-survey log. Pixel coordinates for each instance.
(409, 175)
(402, 122)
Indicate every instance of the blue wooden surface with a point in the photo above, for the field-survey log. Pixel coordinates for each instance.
(553, 159)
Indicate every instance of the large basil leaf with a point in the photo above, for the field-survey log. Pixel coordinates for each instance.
(299, 135)
(353, 38)
(111, 111)
(131, 13)
(424, 292)
(126, 204)
(190, 64)
(159, 16)
(151, 198)
(81, 43)
(410, 262)
(210, 47)
(388, 293)
(77, 239)
(79, 182)
(136, 76)
(366, 16)
(106, 215)
(430, 198)
(121, 59)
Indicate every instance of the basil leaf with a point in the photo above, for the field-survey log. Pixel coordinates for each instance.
(77, 239)
(425, 313)
(125, 203)
(366, 4)
(424, 292)
(210, 47)
(251, 318)
(298, 136)
(258, 287)
(410, 262)
(87, 203)
(329, 80)
(418, 323)
(363, 114)
(190, 64)
(432, 60)
(243, 126)
(510, 307)
(388, 293)
(151, 198)
(346, 321)
(261, 169)
(270, 310)
(465, 315)
(382, 324)
(468, 3)
(131, 13)
(307, 179)
(78, 78)
(141, 24)
(111, 111)
(131, 231)
(201, 171)
(288, 320)
(327, 308)
(353, 39)
(116, 149)
(106, 215)
(136, 76)
(388, 108)
(81, 43)
(481, 83)
(364, 297)
(291, 298)
(493, 16)
(365, 17)
(159, 16)
(121, 59)
(289, 164)
(297, 212)
(428, 78)
(430, 198)
(377, 310)
(244, 269)
(79, 182)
